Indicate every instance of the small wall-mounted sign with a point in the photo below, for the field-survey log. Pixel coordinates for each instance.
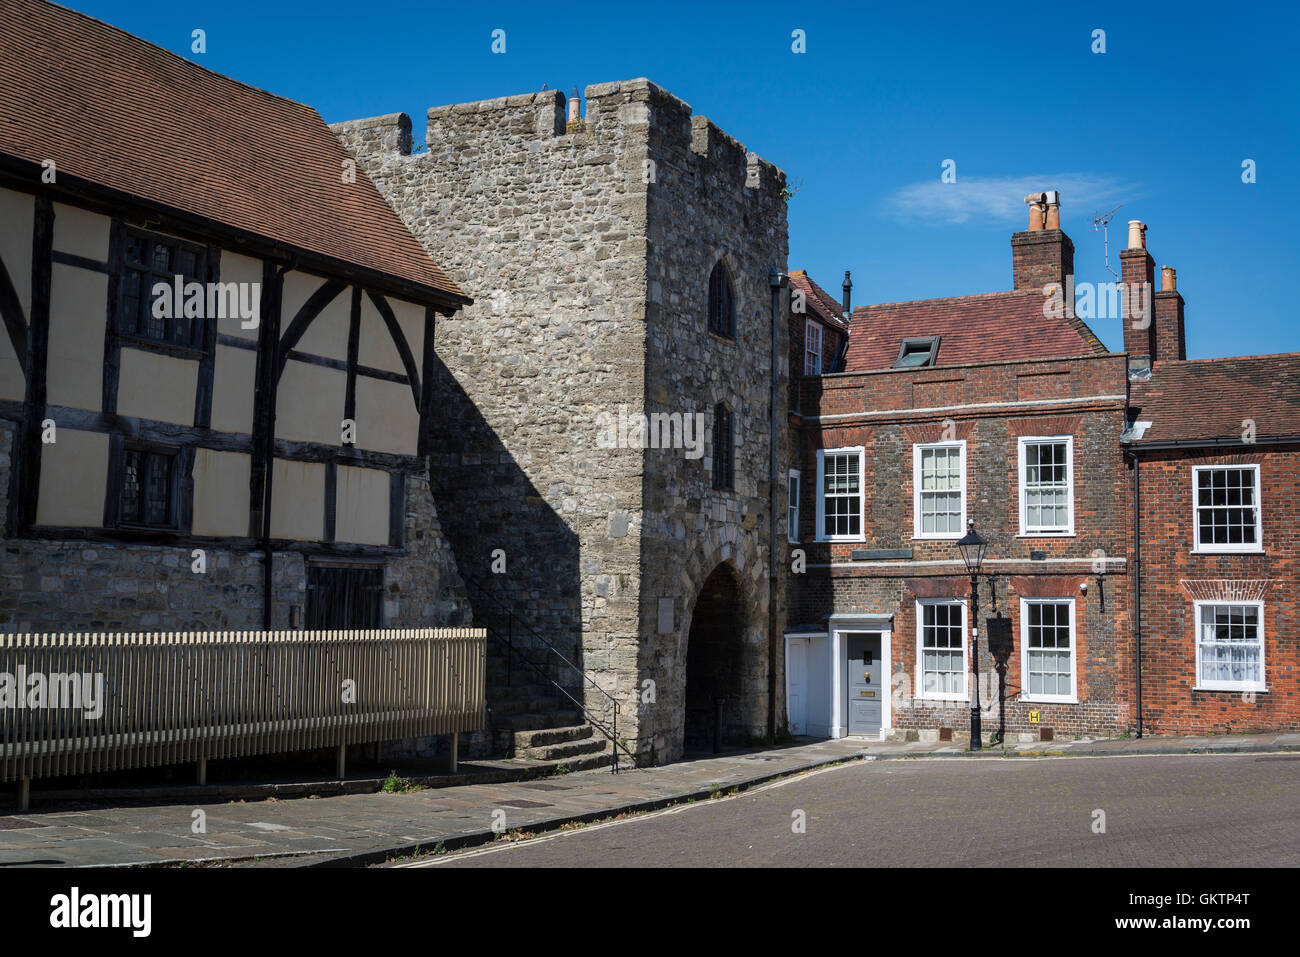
(1033, 717)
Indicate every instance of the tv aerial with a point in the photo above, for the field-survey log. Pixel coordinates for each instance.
(1102, 221)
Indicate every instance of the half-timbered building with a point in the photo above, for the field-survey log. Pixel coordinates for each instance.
(216, 355)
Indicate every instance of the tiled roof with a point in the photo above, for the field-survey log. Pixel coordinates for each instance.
(989, 327)
(121, 113)
(820, 303)
(1206, 399)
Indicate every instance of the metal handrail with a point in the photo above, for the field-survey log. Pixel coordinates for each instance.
(612, 735)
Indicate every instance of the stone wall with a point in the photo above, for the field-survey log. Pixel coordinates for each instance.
(588, 255)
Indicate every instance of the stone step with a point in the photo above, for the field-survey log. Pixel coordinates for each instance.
(544, 736)
(567, 749)
(584, 762)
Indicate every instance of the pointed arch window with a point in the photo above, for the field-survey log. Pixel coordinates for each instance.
(722, 302)
(723, 448)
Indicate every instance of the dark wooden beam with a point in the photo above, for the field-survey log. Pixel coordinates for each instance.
(113, 319)
(208, 363)
(396, 509)
(25, 475)
(81, 262)
(153, 432)
(312, 308)
(173, 539)
(354, 347)
(399, 340)
(11, 313)
(426, 379)
(331, 498)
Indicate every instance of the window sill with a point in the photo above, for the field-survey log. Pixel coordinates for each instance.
(936, 538)
(1230, 689)
(1227, 551)
(721, 338)
(1025, 699)
(948, 699)
(856, 540)
(1069, 534)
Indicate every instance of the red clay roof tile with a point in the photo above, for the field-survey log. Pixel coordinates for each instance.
(1205, 399)
(114, 110)
(988, 327)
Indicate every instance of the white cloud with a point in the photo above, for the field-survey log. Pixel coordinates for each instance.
(1001, 199)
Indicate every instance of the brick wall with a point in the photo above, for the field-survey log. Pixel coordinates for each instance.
(1174, 577)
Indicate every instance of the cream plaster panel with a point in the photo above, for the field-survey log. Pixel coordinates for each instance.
(244, 269)
(18, 213)
(411, 318)
(221, 492)
(81, 232)
(78, 312)
(13, 384)
(310, 404)
(233, 386)
(376, 348)
(298, 500)
(328, 333)
(74, 473)
(387, 420)
(153, 386)
(361, 506)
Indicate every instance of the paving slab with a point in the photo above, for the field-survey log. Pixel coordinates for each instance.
(356, 829)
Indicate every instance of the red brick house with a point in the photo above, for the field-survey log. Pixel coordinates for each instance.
(976, 408)
(1214, 453)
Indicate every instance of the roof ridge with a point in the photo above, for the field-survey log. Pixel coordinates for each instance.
(937, 299)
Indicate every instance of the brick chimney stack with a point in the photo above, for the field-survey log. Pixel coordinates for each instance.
(1042, 255)
(1170, 334)
(1138, 271)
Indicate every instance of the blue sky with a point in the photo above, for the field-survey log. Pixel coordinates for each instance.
(863, 121)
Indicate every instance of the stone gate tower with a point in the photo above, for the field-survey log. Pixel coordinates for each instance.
(595, 251)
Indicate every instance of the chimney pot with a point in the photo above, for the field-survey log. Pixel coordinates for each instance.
(574, 105)
(1137, 234)
(1053, 220)
(848, 294)
(1168, 279)
(1037, 203)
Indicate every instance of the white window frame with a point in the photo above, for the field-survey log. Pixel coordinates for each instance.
(1211, 548)
(809, 328)
(793, 490)
(1202, 684)
(1025, 695)
(1022, 445)
(917, 449)
(921, 693)
(821, 535)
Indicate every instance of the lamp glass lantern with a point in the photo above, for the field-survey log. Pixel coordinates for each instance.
(972, 548)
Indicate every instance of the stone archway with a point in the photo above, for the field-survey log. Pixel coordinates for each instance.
(715, 664)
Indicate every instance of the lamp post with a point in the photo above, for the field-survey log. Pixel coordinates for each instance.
(972, 549)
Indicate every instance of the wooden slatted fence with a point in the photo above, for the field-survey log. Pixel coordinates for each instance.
(84, 703)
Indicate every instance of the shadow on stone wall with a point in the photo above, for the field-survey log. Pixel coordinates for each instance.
(486, 502)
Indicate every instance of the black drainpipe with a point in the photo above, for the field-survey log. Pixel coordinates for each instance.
(777, 281)
(1137, 584)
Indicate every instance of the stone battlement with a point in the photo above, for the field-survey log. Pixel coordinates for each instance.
(621, 113)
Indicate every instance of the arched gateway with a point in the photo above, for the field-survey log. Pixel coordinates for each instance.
(717, 698)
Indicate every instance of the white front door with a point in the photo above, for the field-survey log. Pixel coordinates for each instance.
(796, 678)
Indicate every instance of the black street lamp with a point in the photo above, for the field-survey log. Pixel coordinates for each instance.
(972, 549)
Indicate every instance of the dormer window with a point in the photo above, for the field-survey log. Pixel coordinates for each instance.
(917, 352)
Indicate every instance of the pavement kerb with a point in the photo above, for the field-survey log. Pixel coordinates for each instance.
(1091, 752)
(479, 838)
